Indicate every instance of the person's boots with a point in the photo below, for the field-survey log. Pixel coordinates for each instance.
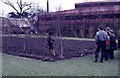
(95, 60)
(101, 61)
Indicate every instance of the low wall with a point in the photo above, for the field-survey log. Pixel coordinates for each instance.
(36, 47)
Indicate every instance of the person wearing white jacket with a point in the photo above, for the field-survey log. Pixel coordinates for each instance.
(100, 39)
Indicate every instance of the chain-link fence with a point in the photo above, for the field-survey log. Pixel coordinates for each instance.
(33, 46)
(69, 31)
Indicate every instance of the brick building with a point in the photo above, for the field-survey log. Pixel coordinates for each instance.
(82, 21)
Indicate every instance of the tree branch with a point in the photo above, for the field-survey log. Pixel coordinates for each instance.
(27, 9)
(23, 6)
(7, 2)
(19, 2)
(27, 5)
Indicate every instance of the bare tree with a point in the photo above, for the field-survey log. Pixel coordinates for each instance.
(59, 27)
(58, 8)
(37, 9)
(23, 6)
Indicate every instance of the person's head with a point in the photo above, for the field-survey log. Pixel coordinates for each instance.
(49, 33)
(100, 28)
(108, 29)
(111, 31)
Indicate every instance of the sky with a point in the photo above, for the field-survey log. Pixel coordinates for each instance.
(53, 4)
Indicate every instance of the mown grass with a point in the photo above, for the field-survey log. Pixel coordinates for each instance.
(54, 37)
(82, 66)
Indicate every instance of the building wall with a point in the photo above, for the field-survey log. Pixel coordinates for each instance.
(83, 21)
(13, 25)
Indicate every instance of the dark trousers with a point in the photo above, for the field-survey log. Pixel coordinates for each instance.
(107, 54)
(111, 54)
(100, 48)
(119, 43)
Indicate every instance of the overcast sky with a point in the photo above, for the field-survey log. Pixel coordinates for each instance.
(65, 4)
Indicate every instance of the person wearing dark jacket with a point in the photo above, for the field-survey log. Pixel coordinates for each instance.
(113, 44)
(100, 38)
(50, 44)
(119, 42)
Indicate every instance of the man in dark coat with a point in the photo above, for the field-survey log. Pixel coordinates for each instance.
(50, 44)
(113, 45)
(119, 42)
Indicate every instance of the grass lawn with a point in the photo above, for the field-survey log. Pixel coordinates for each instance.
(82, 66)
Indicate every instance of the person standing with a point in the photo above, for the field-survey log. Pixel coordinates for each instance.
(118, 42)
(50, 44)
(113, 44)
(107, 48)
(100, 38)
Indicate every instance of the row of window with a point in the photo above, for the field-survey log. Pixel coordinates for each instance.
(100, 9)
(104, 16)
(97, 4)
(108, 16)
